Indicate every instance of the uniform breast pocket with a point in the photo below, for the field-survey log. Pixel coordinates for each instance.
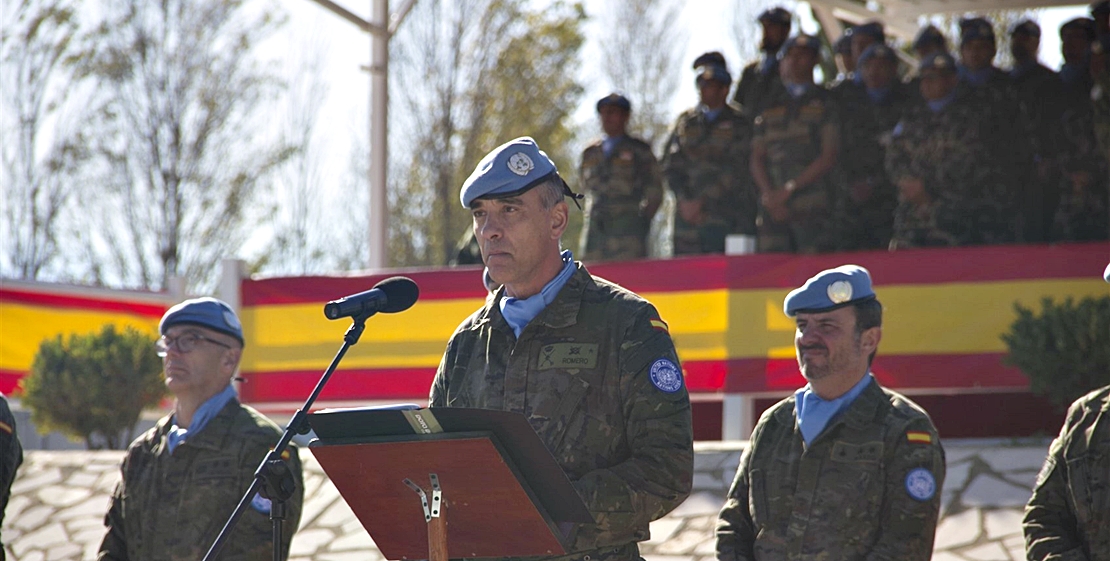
(1090, 486)
(852, 483)
(555, 411)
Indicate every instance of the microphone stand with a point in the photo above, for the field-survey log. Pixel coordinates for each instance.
(273, 478)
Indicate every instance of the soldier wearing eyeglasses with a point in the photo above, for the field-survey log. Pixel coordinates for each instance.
(183, 478)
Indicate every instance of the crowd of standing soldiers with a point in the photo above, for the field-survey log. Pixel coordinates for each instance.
(949, 150)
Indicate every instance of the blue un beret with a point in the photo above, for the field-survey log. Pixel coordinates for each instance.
(713, 72)
(616, 100)
(777, 15)
(877, 51)
(511, 169)
(939, 61)
(830, 289)
(205, 312)
(871, 29)
(975, 28)
(801, 40)
(929, 35)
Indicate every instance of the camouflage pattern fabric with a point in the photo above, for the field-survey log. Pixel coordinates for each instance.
(618, 188)
(11, 455)
(794, 132)
(1039, 96)
(755, 89)
(173, 506)
(865, 207)
(1083, 212)
(1100, 108)
(947, 151)
(1068, 516)
(707, 161)
(848, 496)
(597, 376)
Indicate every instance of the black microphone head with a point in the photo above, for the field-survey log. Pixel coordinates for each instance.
(400, 292)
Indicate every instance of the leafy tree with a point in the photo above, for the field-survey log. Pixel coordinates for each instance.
(180, 170)
(41, 146)
(1065, 351)
(93, 387)
(468, 78)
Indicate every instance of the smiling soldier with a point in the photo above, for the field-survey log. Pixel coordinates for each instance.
(844, 469)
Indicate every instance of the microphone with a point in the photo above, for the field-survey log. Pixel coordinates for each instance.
(392, 295)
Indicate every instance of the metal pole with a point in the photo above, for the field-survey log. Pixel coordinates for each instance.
(379, 104)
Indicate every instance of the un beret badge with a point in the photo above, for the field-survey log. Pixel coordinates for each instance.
(840, 291)
(520, 164)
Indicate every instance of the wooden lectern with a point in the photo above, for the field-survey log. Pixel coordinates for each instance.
(447, 482)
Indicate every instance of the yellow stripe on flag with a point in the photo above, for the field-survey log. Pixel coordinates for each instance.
(920, 437)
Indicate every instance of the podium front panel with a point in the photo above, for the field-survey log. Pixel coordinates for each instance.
(489, 513)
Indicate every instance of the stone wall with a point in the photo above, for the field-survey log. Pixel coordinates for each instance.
(59, 499)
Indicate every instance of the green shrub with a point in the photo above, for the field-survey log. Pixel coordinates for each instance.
(1065, 351)
(94, 387)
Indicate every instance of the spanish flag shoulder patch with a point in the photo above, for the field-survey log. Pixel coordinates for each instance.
(6, 427)
(920, 437)
(660, 325)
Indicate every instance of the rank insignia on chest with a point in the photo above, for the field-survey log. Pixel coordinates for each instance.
(919, 437)
(568, 355)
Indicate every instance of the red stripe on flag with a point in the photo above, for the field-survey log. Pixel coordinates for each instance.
(80, 302)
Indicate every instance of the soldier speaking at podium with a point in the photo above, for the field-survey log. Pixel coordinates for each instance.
(589, 363)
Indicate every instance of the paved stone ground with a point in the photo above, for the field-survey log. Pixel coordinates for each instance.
(59, 499)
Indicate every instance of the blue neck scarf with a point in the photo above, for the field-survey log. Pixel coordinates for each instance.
(204, 413)
(815, 413)
(609, 142)
(769, 62)
(975, 77)
(1074, 73)
(519, 312)
(796, 90)
(938, 105)
(878, 95)
(711, 114)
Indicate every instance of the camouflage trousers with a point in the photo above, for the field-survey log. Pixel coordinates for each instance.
(1082, 214)
(929, 225)
(708, 237)
(806, 230)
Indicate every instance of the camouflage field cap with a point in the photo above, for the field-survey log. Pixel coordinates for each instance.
(830, 289)
(975, 28)
(1026, 27)
(214, 314)
(778, 15)
(615, 100)
(1084, 25)
(929, 36)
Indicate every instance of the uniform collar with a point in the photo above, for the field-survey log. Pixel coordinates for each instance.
(860, 414)
(561, 312)
(211, 438)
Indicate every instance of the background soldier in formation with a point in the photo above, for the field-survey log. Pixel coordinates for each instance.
(704, 167)
(623, 187)
(865, 209)
(590, 364)
(938, 161)
(794, 149)
(759, 82)
(844, 469)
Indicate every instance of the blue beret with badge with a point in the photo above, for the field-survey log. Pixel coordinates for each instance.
(975, 28)
(214, 314)
(830, 289)
(1026, 27)
(938, 61)
(803, 41)
(871, 29)
(615, 100)
(777, 15)
(713, 72)
(510, 170)
(929, 36)
(878, 51)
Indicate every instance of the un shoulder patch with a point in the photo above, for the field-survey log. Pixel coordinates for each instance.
(920, 484)
(666, 376)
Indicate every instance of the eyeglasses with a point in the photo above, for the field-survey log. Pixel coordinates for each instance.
(184, 343)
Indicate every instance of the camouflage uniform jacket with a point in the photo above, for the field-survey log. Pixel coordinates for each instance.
(755, 89)
(843, 498)
(1068, 516)
(625, 444)
(173, 506)
(618, 187)
(947, 151)
(708, 161)
(11, 455)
